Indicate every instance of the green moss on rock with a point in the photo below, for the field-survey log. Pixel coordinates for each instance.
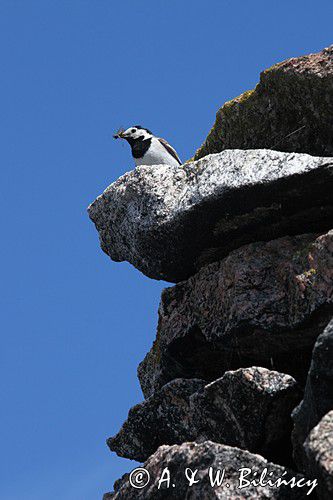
(289, 110)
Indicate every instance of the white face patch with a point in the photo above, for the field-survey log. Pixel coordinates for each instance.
(135, 133)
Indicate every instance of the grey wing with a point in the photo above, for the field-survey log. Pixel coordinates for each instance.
(170, 149)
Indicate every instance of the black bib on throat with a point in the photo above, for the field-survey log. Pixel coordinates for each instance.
(139, 146)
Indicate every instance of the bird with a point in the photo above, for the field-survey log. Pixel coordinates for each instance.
(147, 149)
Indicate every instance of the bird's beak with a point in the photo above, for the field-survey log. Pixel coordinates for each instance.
(119, 134)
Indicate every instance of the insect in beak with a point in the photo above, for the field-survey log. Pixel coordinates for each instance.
(119, 134)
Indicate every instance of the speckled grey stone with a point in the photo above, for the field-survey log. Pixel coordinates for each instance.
(249, 408)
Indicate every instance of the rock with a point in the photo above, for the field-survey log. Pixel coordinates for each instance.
(319, 451)
(165, 418)
(249, 408)
(263, 305)
(291, 109)
(169, 222)
(318, 395)
(207, 458)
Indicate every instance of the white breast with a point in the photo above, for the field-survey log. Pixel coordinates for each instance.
(157, 155)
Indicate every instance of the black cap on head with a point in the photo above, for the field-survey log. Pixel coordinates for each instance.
(143, 128)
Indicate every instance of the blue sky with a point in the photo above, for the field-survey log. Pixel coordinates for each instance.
(75, 324)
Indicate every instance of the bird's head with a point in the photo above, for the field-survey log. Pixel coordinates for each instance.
(135, 133)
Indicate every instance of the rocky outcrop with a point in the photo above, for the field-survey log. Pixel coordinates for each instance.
(189, 410)
(169, 222)
(318, 396)
(319, 453)
(247, 236)
(208, 458)
(291, 109)
(275, 295)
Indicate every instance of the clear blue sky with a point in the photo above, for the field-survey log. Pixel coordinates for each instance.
(75, 324)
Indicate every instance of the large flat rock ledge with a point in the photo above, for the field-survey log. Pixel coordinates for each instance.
(169, 222)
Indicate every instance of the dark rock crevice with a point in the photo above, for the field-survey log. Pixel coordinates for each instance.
(184, 356)
(297, 205)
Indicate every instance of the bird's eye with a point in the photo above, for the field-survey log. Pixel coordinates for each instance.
(133, 130)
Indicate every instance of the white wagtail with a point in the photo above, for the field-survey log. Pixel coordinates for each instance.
(148, 149)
